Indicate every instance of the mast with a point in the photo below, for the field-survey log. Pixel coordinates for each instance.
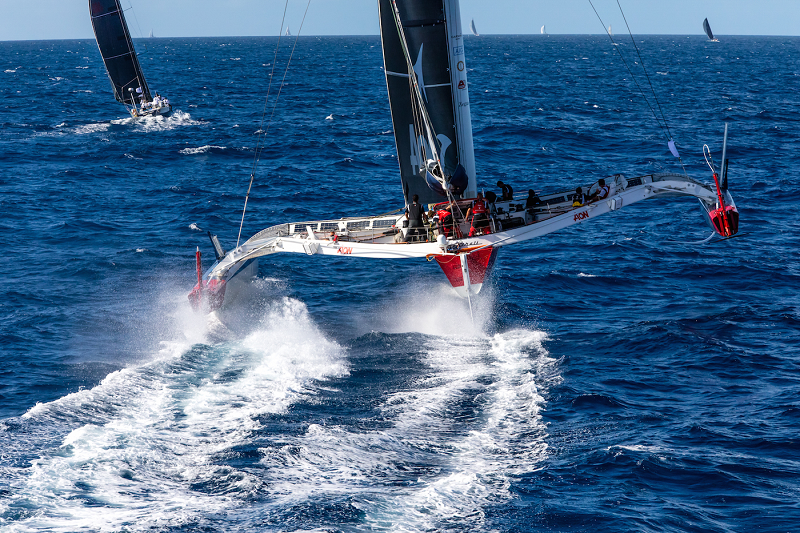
(119, 56)
(432, 48)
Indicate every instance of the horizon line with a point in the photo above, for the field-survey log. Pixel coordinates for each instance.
(700, 35)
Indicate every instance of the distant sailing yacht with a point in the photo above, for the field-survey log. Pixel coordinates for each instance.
(611, 33)
(707, 29)
(288, 33)
(474, 31)
(151, 35)
(543, 31)
(122, 64)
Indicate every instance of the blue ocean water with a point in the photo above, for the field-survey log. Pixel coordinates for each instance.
(617, 378)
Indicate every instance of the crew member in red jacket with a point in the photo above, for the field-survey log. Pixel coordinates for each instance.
(479, 213)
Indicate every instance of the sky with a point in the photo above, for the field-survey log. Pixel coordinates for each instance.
(69, 19)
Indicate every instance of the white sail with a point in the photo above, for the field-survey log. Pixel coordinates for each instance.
(287, 31)
(458, 80)
(543, 31)
(611, 33)
(151, 34)
(474, 31)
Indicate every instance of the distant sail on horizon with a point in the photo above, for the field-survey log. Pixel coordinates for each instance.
(543, 31)
(611, 33)
(288, 32)
(474, 31)
(707, 29)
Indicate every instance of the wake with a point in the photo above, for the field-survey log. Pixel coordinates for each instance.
(140, 444)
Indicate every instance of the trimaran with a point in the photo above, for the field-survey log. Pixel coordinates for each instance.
(426, 76)
(121, 61)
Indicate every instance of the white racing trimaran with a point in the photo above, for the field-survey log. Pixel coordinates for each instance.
(426, 76)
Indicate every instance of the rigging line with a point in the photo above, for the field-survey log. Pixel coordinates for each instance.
(285, 72)
(413, 78)
(655, 96)
(261, 125)
(141, 35)
(624, 62)
(266, 100)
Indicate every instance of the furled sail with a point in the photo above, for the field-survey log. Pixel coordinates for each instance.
(432, 31)
(119, 56)
(707, 29)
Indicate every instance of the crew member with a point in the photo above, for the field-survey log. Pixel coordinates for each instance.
(478, 212)
(578, 198)
(415, 214)
(533, 200)
(602, 191)
(507, 193)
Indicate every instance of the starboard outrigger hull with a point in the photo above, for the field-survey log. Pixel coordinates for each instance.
(467, 261)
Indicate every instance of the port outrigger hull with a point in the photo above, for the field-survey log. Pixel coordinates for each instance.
(466, 261)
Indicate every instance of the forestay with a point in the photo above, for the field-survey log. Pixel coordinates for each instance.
(119, 56)
(432, 30)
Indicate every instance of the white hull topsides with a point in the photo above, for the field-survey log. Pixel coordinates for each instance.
(154, 111)
(382, 236)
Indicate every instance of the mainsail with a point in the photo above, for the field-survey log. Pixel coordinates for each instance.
(472, 27)
(543, 31)
(119, 56)
(707, 29)
(432, 30)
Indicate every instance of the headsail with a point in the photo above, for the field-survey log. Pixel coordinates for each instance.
(432, 30)
(474, 30)
(119, 56)
(707, 29)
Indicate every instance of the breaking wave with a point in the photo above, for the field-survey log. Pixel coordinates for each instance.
(177, 119)
(201, 150)
(134, 450)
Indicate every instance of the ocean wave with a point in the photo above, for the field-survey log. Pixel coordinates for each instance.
(201, 150)
(138, 444)
(383, 470)
(177, 119)
(92, 128)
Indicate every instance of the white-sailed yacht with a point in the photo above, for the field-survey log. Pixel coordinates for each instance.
(426, 63)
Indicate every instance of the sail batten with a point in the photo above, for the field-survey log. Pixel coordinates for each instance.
(119, 56)
(435, 55)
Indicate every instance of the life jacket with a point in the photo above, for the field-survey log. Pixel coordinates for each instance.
(603, 191)
(443, 214)
(479, 207)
